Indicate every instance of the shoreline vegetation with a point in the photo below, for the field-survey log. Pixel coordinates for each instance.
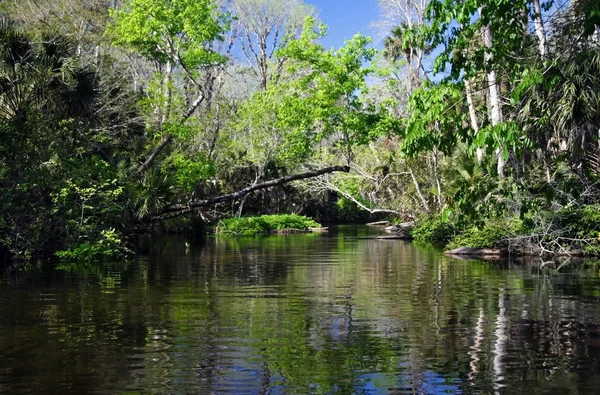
(573, 232)
(267, 224)
(148, 116)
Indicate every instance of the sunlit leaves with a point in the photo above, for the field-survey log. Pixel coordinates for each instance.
(436, 121)
(325, 100)
(176, 30)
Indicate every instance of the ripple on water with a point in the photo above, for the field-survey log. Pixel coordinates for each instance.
(302, 314)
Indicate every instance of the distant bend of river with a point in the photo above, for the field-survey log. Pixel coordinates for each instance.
(296, 314)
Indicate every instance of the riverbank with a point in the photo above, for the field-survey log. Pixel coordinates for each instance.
(567, 232)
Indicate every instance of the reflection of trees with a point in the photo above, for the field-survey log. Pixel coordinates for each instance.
(311, 313)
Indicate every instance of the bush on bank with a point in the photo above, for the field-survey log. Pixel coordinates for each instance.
(433, 229)
(264, 224)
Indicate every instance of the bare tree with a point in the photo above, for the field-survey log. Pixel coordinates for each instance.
(265, 26)
(398, 16)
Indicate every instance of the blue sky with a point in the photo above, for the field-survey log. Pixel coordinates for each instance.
(345, 18)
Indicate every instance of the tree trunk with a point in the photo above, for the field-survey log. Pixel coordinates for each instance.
(167, 92)
(473, 115)
(168, 138)
(418, 188)
(436, 175)
(152, 157)
(494, 96)
(539, 28)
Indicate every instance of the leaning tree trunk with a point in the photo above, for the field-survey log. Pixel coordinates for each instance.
(176, 210)
(473, 115)
(419, 192)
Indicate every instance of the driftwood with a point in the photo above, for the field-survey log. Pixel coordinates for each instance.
(322, 230)
(379, 223)
(404, 228)
(396, 237)
(176, 210)
(486, 253)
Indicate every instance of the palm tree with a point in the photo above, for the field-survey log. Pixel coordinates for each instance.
(47, 102)
(400, 44)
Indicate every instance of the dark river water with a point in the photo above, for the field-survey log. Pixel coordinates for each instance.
(318, 313)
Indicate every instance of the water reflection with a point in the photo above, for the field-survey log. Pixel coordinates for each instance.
(301, 314)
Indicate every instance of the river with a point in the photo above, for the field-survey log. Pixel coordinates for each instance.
(308, 313)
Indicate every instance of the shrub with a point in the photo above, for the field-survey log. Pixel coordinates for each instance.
(108, 245)
(575, 227)
(265, 224)
(432, 229)
(493, 234)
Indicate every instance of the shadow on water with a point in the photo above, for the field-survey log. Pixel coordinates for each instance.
(308, 313)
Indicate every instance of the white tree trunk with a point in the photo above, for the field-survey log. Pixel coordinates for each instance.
(539, 28)
(494, 96)
(473, 115)
(436, 175)
(167, 92)
(418, 188)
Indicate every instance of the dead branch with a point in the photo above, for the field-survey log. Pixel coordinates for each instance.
(326, 184)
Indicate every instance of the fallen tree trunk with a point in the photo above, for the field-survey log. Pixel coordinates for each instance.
(176, 210)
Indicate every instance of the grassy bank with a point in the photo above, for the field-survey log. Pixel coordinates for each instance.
(264, 224)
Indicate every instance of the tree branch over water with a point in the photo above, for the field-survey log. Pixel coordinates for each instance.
(177, 210)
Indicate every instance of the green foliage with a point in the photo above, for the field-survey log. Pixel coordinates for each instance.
(473, 190)
(494, 233)
(591, 15)
(456, 25)
(264, 224)
(55, 191)
(436, 119)
(581, 222)
(188, 173)
(325, 100)
(175, 31)
(345, 207)
(433, 229)
(108, 246)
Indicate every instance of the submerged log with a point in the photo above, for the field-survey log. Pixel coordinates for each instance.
(291, 231)
(323, 229)
(478, 251)
(404, 228)
(394, 237)
(379, 223)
